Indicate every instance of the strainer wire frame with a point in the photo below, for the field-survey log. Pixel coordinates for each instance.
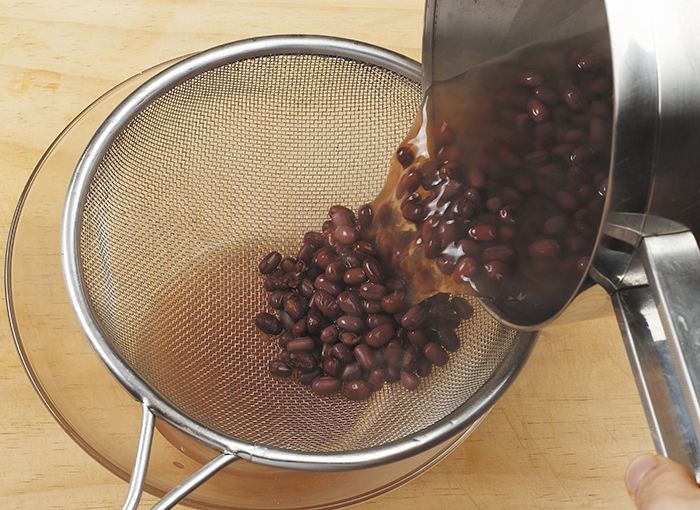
(153, 404)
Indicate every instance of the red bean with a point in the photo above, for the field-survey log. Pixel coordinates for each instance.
(417, 337)
(575, 136)
(326, 385)
(279, 368)
(373, 291)
(405, 156)
(330, 334)
(544, 248)
(575, 99)
(601, 85)
(446, 263)
(288, 264)
(466, 268)
(411, 357)
(584, 228)
(584, 193)
(410, 381)
(496, 270)
(351, 323)
(538, 111)
(373, 270)
(436, 354)
(295, 305)
(547, 95)
(483, 233)
(300, 327)
(431, 177)
(377, 378)
(357, 390)
(536, 158)
(394, 302)
(414, 317)
(268, 323)
(331, 287)
(414, 212)
(589, 61)
(374, 320)
(523, 123)
(449, 153)
(304, 344)
(349, 338)
(601, 109)
(341, 216)
(324, 257)
(443, 134)
(566, 201)
(582, 264)
(476, 178)
(302, 361)
(350, 303)
(275, 300)
(599, 130)
(365, 215)
(462, 307)
(531, 78)
(346, 234)
(270, 262)
(354, 276)
(370, 306)
(576, 175)
(563, 151)
(334, 272)
(342, 353)
(554, 225)
(410, 182)
(425, 367)
(448, 339)
(284, 338)
(380, 335)
(582, 155)
(365, 357)
(326, 304)
(499, 252)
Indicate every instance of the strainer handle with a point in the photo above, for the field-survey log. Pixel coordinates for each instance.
(660, 323)
(138, 477)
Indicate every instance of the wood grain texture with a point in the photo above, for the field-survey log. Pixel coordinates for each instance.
(560, 438)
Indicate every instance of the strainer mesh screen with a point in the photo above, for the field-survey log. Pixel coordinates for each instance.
(205, 181)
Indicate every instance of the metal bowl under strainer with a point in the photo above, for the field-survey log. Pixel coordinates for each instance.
(192, 179)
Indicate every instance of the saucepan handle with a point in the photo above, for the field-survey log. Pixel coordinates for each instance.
(138, 475)
(660, 323)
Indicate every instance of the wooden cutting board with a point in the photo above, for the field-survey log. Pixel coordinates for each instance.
(560, 438)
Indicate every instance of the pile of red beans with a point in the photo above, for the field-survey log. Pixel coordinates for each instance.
(343, 321)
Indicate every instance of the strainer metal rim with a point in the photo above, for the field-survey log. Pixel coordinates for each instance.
(85, 170)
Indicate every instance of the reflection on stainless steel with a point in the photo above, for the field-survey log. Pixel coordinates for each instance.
(646, 253)
(669, 421)
(460, 35)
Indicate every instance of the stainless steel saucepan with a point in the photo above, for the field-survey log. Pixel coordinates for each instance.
(646, 254)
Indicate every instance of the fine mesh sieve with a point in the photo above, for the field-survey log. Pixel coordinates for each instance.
(202, 171)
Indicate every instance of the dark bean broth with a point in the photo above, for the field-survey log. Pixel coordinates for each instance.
(499, 189)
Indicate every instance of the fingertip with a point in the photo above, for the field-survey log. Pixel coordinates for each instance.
(637, 469)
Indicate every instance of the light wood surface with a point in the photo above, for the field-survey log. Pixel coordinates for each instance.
(560, 438)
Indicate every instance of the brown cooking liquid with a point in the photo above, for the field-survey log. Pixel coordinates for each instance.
(499, 188)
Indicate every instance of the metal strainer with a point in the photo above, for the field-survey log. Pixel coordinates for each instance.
(198, 174)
